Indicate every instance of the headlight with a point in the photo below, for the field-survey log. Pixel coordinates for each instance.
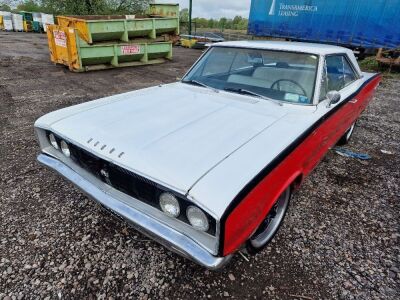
(197, 218)
(53, 141)
(65, 149)
(170, 205)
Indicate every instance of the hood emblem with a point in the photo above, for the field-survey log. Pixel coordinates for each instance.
(106, 175)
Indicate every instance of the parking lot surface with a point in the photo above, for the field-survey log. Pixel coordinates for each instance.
(340, 240)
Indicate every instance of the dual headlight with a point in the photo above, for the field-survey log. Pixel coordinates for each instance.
(169, 203)
(197, 218)
(63, 145)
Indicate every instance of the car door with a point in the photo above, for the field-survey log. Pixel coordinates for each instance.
(334, 119)
(341, 76)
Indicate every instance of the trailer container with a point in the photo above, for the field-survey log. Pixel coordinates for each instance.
(352, 23)
(94, 29)
(67, 48)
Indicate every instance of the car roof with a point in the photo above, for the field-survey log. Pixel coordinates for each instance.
(320, 49)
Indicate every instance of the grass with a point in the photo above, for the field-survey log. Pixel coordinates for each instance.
(369, 64)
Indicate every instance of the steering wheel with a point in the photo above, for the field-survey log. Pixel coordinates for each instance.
(277, 83)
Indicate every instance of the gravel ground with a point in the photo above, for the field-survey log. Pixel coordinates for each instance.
(340, 240)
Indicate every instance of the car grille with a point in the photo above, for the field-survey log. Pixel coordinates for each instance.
(128, 182)
(117, 177)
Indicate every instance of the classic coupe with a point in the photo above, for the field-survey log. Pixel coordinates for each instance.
(207, 165)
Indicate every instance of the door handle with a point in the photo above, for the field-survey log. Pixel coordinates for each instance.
(354, 101)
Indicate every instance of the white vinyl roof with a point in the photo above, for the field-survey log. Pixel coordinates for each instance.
(320, 49)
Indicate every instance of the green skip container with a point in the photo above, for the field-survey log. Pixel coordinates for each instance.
(67, 48)
(163, 19)
(88, 43)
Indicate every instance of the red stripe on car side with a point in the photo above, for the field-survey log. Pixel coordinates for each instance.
(244, 219)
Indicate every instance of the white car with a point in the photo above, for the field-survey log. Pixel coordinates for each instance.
(207, 165)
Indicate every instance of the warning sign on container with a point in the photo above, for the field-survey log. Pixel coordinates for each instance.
(131, 49)
(60, 39)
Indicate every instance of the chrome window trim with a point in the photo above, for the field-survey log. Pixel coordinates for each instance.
(324, 69)
(313, 101)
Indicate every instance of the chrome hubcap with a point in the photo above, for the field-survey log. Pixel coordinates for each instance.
(271, 224)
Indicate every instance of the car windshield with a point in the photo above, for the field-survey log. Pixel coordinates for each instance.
(277, 75)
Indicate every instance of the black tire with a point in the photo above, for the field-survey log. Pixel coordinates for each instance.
(344, 140)
(271, 224)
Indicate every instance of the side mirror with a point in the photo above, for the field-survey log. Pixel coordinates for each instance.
(333, 97)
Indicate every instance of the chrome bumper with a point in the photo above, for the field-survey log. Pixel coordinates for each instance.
(149, 226)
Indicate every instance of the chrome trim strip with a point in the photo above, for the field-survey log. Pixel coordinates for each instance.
(165, 235)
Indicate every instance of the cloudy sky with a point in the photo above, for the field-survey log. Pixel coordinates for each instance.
(215, 8)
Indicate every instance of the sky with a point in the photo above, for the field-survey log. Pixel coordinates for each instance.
(215, 8)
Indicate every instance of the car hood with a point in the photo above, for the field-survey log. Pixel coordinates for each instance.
(172, 134)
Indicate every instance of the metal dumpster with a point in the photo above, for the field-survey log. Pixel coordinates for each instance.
(166, 10)
(87, 43)
(47, 20)
(37, 22)
(162, 20)
(17, 22)
(67, 48)
(27, 20)
(6, 21)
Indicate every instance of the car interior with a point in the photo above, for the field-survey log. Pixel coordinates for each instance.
(274, 74)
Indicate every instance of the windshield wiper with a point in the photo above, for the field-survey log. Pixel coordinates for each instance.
(199, 83)
(251, 93)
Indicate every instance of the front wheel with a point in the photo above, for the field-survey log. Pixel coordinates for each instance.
(346, 137)
(269, 227)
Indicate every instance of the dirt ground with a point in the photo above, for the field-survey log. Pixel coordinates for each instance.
(340, 240)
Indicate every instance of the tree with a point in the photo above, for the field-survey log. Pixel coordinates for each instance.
(5, 7)
(222, 23)
(201, 22)
(29, 5)
(184, 15)
(95, 7)
(211, 23)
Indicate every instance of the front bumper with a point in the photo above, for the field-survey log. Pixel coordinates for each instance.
(149, 226)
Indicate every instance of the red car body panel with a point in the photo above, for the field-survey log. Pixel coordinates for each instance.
(252, 205)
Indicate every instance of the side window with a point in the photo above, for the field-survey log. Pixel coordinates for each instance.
(349, 75)
(339, 73)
